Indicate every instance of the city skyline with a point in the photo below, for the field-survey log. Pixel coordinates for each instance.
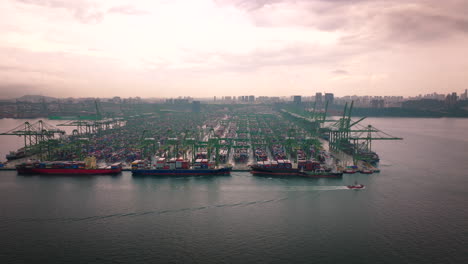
(308, 97)
(211, 48)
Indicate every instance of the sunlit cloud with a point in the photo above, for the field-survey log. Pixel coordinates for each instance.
(232, 47)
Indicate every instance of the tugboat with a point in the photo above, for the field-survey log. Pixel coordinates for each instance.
(356, 186)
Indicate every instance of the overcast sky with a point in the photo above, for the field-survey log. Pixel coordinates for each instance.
(203, 48)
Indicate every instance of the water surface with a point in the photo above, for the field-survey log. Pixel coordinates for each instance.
(414, 211)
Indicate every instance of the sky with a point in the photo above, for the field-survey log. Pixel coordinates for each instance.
(205, 48)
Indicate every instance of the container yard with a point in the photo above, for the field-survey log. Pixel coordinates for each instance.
(283, 137)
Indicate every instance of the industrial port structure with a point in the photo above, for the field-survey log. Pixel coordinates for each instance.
(226, 134)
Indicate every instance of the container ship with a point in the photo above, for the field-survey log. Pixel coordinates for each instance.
(86, 167)
(279, 167)
(260, 154)
(362, 154)
(306, 168)
(223, 154)
(16, 154)
(178, 167)
(241, 155)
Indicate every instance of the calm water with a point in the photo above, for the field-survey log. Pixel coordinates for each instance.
(414, 211)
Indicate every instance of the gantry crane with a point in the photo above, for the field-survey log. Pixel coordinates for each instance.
(356, 142)
(34, 134)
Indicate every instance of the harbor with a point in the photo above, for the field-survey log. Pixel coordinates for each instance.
(237, 137)
(415, 194)
(233, 131)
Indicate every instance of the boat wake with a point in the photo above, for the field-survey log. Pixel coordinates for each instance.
(305, 189)
(145, 213)
(282, 188)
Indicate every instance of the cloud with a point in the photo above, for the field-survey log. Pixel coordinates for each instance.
(423, 24)
(288, 56)
(340, 72)
(9, 68)
(12, 90)
(127, 10)
(234, 43)
(82, 10)
(249, 5)
(393, 20)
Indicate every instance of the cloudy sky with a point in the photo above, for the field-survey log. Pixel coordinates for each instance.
(202, 48)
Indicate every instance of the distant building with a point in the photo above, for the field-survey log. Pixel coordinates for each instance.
(177, 101)
(329, 97)
(423, 104)
(377, 103)
(181, 101)
(196, 106)
(464, 95)
(297, 99)
(251, 98)
(451, 100)
(318, 97)
(116, 100)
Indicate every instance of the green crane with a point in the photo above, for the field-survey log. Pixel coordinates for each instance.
(34, 134)
(343, 136)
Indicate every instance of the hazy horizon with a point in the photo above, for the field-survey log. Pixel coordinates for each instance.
(304, 96)
(209, 48)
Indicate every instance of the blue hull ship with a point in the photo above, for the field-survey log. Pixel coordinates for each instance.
(182, 172)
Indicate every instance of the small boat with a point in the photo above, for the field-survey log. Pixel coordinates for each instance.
(356, 186)
(365, 171)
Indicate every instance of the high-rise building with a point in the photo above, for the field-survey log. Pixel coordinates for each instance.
(251, 98)
(451, 99)
(377, 103)
(297, 99)
(329, 97)
(196, 106)
(318, 97)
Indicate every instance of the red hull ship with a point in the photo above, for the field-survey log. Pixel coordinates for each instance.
(67, 168)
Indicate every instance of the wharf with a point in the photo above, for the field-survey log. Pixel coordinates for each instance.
(124, 169)
(236, 170)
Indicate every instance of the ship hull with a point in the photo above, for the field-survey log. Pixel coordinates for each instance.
(65, 171)
(293, 172)
(321, 174)
(274, 171)
(260, 173)
(181, 172)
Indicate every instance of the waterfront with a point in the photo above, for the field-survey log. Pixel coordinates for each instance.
(412, 212)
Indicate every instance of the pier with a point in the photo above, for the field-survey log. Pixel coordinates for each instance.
(236, 136)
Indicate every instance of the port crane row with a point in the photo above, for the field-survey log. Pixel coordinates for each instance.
(293, 127)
